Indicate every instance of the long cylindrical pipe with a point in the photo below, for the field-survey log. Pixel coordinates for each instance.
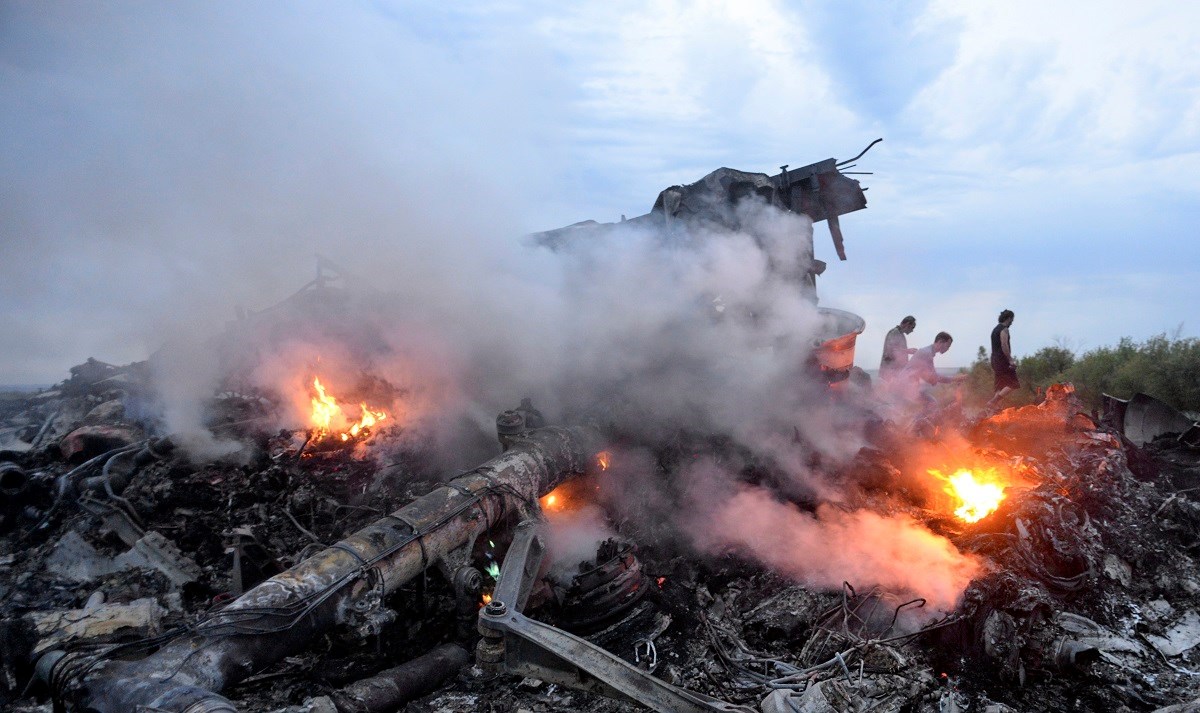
(389, 690)
(279, 616)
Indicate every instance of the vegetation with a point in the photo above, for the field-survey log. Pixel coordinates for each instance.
(1166, 367)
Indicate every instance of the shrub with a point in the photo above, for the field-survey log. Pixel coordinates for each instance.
(1166, 368)
(1163, 367)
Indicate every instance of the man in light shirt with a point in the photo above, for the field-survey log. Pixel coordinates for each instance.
(921, 370)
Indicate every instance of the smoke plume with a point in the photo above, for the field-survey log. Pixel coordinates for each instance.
(830, 546)
(216, 151)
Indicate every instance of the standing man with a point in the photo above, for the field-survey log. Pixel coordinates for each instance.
(895, 349)
(1003, 365)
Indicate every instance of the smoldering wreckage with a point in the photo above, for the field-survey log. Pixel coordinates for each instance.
(1041, 559)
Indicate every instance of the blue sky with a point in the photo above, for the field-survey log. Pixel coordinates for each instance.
(163, 162)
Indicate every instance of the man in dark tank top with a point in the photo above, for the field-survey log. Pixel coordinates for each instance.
(1004, 367)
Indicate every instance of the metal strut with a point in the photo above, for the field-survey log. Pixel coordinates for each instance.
(522, 646)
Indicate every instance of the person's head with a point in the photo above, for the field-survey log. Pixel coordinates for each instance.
(908, 324)
(1006, 317)
(942, 342)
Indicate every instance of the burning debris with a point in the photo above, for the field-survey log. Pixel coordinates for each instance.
(726, 519)
(330, 421)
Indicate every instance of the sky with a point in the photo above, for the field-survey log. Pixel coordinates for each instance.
(162, 164)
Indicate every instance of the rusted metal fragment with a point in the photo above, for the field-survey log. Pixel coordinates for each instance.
(87, 441)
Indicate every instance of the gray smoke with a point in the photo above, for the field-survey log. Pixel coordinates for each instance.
(205, 154)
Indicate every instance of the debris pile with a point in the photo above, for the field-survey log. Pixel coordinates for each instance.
(118, 547)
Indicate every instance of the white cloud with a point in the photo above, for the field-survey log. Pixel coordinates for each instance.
(670, 90)
(1089, 81)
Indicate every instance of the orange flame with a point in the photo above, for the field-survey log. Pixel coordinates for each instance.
(978, 497)
(550, 501)
(602, 460)
(327, 415)
(324, 408)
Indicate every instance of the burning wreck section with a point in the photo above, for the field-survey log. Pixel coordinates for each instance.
(728, 519)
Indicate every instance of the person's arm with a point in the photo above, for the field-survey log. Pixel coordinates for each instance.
(1004, 346)
(926, 370)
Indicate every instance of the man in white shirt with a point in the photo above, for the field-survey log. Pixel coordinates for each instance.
(921, 370)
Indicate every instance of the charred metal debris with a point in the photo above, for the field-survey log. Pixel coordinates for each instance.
(135, 579)
(303, 575)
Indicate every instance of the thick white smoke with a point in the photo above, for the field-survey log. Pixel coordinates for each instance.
(704, 330)
(217, 148)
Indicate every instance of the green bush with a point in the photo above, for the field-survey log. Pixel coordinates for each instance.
(1163, 367)
(1166, 368)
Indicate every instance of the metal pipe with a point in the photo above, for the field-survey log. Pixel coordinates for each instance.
(389, 690)
(281, 615)
(156, 449)
(13, 480)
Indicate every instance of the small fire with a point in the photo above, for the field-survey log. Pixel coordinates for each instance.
(324, 408)
(550, 501)
(602, 460)
(327, 416)
(487, 598)
(978, 496)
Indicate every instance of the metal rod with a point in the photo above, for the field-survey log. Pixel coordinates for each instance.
(864, 152)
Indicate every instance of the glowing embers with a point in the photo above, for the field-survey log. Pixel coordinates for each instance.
(573, 494)
(330, 422)
(976, 495)
(566, 498)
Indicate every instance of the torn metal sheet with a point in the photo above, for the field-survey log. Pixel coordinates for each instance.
(1183, 635)
(74, 559)
(1147, 418)
(156, 552)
